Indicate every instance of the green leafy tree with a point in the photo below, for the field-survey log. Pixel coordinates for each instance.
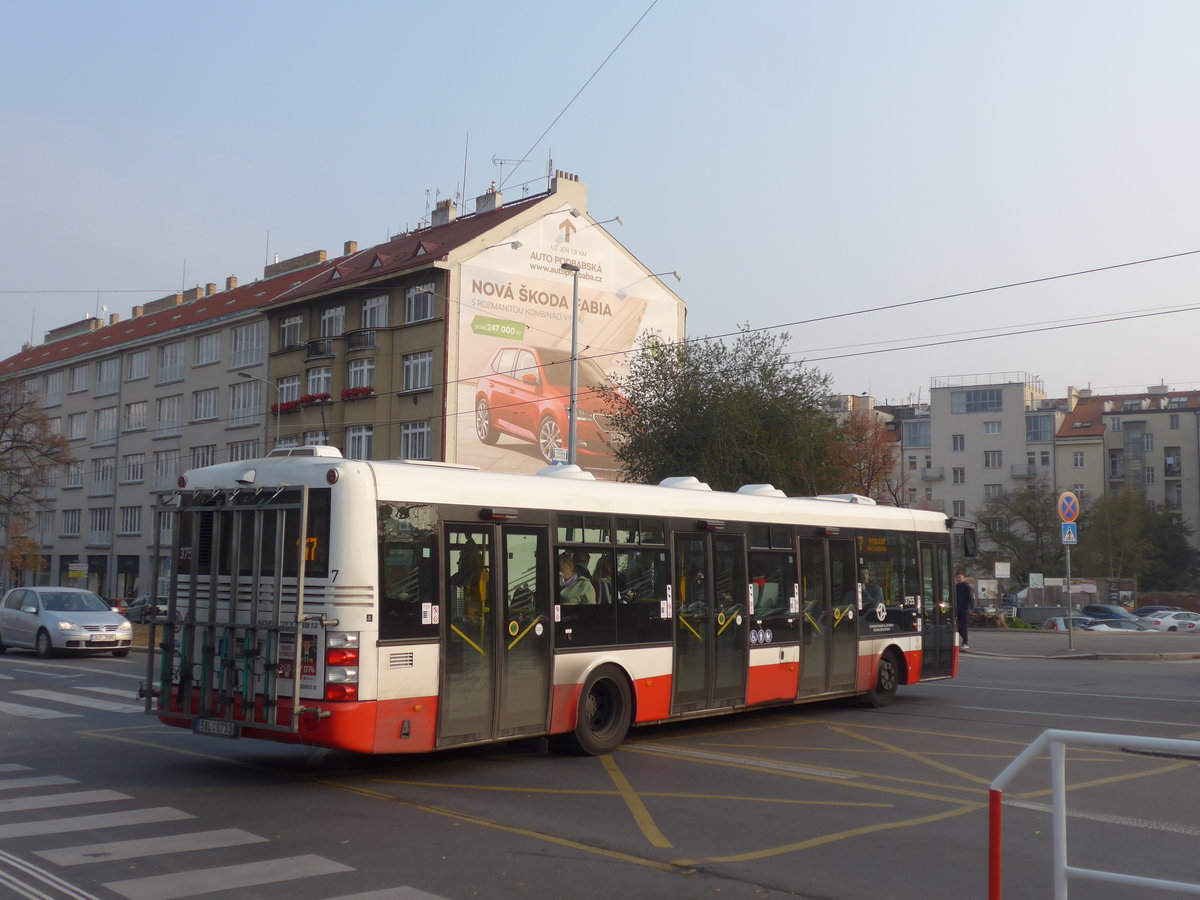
(728, 414)
(1126, 536)
(1023, 528)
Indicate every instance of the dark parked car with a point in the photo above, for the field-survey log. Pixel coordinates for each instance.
(144, 608)
(525, 392)
(1107, 611)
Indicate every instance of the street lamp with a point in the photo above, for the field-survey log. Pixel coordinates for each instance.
(572, 410)
(277, 411)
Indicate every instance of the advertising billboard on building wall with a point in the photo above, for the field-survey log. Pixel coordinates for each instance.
(514, 343)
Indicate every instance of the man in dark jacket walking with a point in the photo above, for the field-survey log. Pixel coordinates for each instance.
(964, 600)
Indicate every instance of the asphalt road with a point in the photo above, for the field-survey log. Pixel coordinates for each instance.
(825, 802)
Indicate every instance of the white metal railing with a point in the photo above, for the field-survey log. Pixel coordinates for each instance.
(1057, 741)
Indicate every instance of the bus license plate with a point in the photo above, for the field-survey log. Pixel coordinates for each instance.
(216, 728)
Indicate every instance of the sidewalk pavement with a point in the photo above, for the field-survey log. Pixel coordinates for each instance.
(1134, 645)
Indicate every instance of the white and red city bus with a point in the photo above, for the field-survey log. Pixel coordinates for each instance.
(392, 607)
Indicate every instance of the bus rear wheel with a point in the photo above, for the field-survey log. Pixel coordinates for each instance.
(887, 679)
(605, 710)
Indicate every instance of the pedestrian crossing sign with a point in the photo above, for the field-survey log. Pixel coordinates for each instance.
(1069, 534)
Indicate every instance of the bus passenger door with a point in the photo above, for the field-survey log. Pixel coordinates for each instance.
(829, 630)
(496, 644)
(937, 639)
(712, 624)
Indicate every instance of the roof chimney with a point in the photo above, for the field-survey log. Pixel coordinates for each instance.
(296, 262)
(113, 318)
(493, 199)
(137, 312)
(193, 294)
(444, 213)
(349, 247)
(210, 289)
(230, 282)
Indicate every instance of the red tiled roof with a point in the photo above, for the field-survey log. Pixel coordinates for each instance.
(406, 251)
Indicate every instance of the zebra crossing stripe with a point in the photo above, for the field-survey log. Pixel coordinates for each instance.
(34, 712)
(225, 878)
(149, 816)
(8, 784)
(396, 893)
(50, 801)
(153, 846)
(74, 700)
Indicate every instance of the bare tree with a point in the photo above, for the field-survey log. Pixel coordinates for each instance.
(867, 458)
(31, 459)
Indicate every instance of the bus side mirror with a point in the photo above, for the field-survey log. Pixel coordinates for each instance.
(970, 542)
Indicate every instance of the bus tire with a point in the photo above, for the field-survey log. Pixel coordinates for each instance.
(605, 710)
(887, 679)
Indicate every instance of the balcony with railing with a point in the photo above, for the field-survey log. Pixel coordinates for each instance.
(318, 348)
(933, 473)
(363, 339)
(1023, 471)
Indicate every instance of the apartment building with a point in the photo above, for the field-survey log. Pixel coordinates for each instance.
(378, 352)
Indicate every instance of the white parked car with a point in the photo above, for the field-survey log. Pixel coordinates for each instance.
(60, 619)
(1172, 621)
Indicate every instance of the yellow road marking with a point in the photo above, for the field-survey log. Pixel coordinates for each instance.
(1115, 779)
(641, 815)
(832, 838)
(917, 757)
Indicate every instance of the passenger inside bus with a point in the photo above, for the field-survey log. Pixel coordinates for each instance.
(572, 588)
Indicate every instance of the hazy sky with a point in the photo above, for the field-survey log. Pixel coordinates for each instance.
(792, 160)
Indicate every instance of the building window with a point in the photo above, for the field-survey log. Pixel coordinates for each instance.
(289, 389)
(418, 371)
(106, 424)
(74, 475)
(137, 365)
(165, 518)
(70, 522)
(1150, 476)
(289, 332)
(166, 469)
(333, 321)
(133, 468)
(54, 426)
(1149, 438)
(52, 393)
(135, 416)
(247, 345)
(208, 348)
(320, 380)
(315, 438)
(1114, 424)
(917, 433)
(1039, 429)
(170, 362)
(991, 491)
(414, 440)
(375, 312)
(131, 520)
(100, 519)
(1045, 457)
(912, 464)
(359, 439)
(978, 401)
(76, 426)
(205, 455)
(204, 404)
(992, 459)
(959, 508)
(1172, 462)
(958, 475)
(239, 450)
(418, 303)
(1173, 420)
(245, 405)
(1077, 459)
(104, 476)
(991, 427)
(170, 415)
(958, 443)
(108, 376)
(362, 373)
(78, 380)
(45, 527)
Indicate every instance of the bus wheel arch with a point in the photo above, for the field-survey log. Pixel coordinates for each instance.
(890, 673)
(603, 716)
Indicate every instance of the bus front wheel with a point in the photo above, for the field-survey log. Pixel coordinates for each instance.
(605, 710)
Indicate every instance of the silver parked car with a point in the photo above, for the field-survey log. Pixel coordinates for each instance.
(59, 619)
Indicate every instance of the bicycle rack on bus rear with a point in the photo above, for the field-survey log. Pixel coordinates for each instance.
(236, 604)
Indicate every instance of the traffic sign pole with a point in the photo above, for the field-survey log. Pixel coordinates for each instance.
(1068, 511)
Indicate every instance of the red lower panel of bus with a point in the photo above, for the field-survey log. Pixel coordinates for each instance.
(389, 726)
(774, 682)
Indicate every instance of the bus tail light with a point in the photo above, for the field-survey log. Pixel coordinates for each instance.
(341, 665)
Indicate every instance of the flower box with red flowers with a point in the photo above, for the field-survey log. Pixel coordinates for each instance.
(357, 393)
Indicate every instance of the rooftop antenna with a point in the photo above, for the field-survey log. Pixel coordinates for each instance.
(183, 278)
(267, 249)
(463, 196)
